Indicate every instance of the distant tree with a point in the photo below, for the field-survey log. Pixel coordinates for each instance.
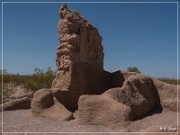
(49, 71)
(133, 69)
(37, 71)
(5, 71)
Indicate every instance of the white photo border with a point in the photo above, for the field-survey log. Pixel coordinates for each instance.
(2, 3)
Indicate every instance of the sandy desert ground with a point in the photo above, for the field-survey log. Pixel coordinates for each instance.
(24, 121)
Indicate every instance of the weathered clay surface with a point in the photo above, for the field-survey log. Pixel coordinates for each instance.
(42, 99)
(137, 97)
(16, 97)
(13, 91)
(102, 110)
(20, 92)
(22, 103)
(139, 93)
(44, 104)
(168, 94)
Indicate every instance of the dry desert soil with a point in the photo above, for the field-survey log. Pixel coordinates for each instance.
(24, 121)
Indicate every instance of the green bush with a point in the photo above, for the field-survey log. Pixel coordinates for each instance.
(133, 69)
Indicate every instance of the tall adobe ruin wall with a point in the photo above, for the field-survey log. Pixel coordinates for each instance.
(80, 37)
(80, 43)
(79, 58)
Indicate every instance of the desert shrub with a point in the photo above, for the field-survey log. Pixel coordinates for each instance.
(133, 69)
(170, 81)
(39, 79)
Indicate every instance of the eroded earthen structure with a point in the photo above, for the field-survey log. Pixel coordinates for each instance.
(80, 43)
(79, 59)
(120, 97)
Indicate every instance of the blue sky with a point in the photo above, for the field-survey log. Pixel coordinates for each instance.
(141, 35)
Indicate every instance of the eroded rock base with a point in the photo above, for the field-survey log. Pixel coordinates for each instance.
(46, 105)
(136, 98)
